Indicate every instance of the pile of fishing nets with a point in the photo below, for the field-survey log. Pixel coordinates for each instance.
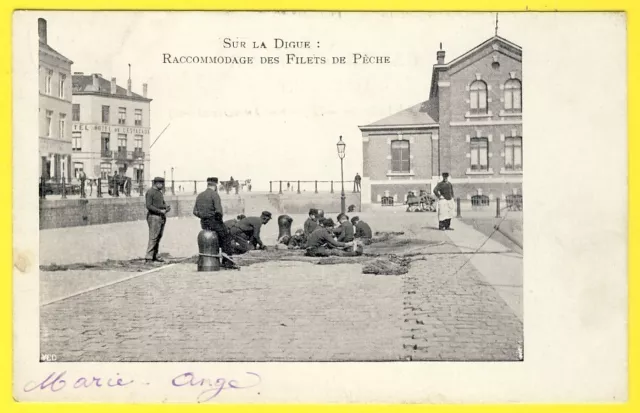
(391, 265)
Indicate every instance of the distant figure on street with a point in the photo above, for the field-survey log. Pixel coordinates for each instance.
(288, 186)
(82, 177)
(90, 187)
(246, 233)
(322, 244)
(156, 218)
(356, 183)
(362, 230)
(208, 208)
(444, 192)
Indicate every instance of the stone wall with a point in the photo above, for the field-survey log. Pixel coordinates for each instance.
(63, 213)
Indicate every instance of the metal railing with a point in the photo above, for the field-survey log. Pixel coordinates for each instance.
(103, 187)
(290, 186)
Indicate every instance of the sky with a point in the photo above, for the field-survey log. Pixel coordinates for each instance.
(268, 122)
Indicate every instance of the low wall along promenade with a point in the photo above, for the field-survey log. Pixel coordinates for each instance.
(61, 213)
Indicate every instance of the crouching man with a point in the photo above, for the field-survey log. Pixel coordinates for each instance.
(246, 233)
(322, 244)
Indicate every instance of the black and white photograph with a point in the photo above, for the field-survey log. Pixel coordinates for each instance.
(292, 191)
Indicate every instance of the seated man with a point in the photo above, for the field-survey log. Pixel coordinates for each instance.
(311, 223)
(322, 244)
(298, 240)
(363, 230)
(246, 233)
(344, 232)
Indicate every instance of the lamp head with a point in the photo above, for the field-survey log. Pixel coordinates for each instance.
(341, 147)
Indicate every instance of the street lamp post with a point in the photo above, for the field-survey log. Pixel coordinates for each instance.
(341, 147)
(173, 188)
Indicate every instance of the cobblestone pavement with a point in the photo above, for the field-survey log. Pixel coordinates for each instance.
(288, 311)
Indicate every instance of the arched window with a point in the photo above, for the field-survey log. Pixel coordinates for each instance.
(513, 95)
(400, 156)
(478, 97)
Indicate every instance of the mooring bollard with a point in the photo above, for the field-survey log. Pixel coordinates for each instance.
(497, 207)
(458, 208)
(209, 247)
(284, 227)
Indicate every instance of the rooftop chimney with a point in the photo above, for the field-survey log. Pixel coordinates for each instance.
(42, 30)
(440, 55)
(129, 82)
(144, 90)
(96, 82)
(113, 86)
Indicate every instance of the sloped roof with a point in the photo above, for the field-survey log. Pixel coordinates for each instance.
(424, 113)
(83, 84)
(48, 49)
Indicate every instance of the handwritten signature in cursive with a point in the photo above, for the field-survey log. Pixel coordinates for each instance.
(213, 387)
(55, 382)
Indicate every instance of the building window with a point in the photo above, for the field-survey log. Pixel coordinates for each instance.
(513, 154)
(122, 142)
(138, 117)
(75, 112)
(122, 116)
(138, 142)
(479, 154)
(104, 141)
(513, 95)
(105, 114)
(61, 82)
(76, 141)
(77, 168)
(49, 122)
(62, 124)
(400, 156)
(105, 170)
(140, 173)
(478, 97)
(47, 82)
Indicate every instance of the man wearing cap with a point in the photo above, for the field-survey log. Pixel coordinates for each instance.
(311, 223)
(444, 192)
(208, 208)
(246, 232)
(156, 218)
(322, 244)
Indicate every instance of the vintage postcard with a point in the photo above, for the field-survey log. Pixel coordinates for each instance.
(320, 207)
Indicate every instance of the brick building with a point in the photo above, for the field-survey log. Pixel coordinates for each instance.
(471, 127)
(54, 109)
(110, 128)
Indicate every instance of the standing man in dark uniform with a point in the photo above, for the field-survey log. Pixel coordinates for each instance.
(444, 192)
(208, 208)
(156, 218)
(82, 177)
(246, 232)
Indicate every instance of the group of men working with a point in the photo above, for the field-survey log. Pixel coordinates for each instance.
(320, 237)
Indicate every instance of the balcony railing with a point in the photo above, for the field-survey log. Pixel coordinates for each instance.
(124, 155)
(107, 154)
(138, 153)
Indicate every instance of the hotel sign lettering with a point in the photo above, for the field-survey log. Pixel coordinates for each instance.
(108, 128)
